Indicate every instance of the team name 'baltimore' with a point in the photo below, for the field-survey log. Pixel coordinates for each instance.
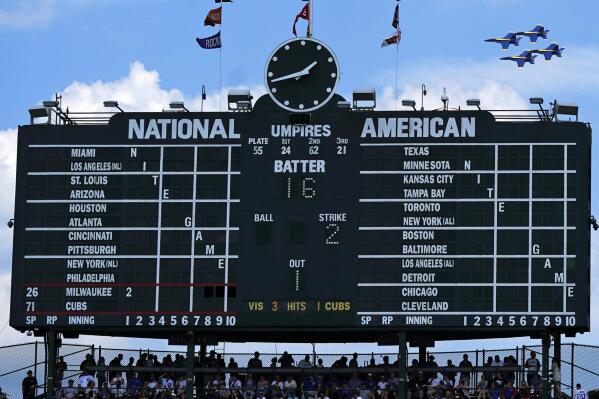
(170, 129)
(419, 127)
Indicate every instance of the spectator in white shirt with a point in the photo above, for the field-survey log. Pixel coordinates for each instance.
(580, 393)
(305, 363)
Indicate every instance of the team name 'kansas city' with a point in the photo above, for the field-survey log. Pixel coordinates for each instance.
(419, 127)
(186, 129)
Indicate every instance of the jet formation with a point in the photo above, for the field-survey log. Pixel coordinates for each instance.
(513, 38)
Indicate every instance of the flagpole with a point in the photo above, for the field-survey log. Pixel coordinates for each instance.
(311, 15)
(220, 60)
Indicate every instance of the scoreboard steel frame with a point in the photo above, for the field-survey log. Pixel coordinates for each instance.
(358, 223)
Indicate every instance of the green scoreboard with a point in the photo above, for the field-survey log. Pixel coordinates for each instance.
(353, 221)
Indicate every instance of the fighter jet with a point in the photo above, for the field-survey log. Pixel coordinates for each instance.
(550, 51)
(505, 41)
(533, 35)
(522, 59)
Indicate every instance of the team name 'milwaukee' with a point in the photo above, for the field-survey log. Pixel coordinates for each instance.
(185, 129)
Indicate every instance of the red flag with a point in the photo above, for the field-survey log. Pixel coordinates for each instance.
(214, 17)
(304, 14)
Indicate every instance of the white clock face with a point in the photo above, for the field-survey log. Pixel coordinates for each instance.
(302, 75)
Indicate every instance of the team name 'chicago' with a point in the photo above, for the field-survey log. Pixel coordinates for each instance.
(419, 127)
(165, 129)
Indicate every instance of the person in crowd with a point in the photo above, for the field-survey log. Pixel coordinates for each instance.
(415, 389)
(61, 368)
(353, 362)
(290, 388)
(87, 363)
(431, 364)
(536, 384)
(366, 391)
(28, 386)
(262, 387)
(220, 362)
(461, 389)
(381, 387)
(234, 383)
(449, 372)
(181, 385)
(134, 383)
(482, 389)
(580, 393)
(525, 392)
(273, 363)
(249, 389)
(255, 362)
(319, 363)
(488, 374)
(509, 392)
(323, 395)
(286, 360)
(464, 375)
(102, 374)
(532, 366)
(435, 386)
(393, 385)
(556, 374)
(117, 384)
(70, 390)
(496, 362)
(116, 362)
(309, 387)
(84, 380)
(305, 363)
(494, 391)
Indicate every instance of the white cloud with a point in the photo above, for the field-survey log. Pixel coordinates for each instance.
(28, 13)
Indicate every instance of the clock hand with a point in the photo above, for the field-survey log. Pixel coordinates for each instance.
(296, 75)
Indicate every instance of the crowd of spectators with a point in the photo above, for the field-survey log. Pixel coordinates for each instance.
(150, 378)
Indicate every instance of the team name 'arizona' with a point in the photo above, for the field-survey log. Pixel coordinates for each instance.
(163, 129)
(419, 127)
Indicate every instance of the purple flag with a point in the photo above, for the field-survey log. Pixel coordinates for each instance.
(210, 42)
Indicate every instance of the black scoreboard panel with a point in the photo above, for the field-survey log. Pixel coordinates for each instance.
(358, 221)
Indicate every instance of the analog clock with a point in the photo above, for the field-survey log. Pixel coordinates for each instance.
(302, 75)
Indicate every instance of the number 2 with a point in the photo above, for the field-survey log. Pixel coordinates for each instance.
(129, 293)
(332, 231)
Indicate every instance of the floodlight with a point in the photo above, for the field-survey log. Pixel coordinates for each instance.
(473, 102)
(39, 112)
(239, 100)
(343, 105)
(565, 109)
(536, 100)
(364, 99)
(178, 105)
(10, 223)
(409, 103)
(50, 104)
(113, 104)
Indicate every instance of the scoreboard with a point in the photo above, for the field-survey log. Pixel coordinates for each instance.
(353, 221)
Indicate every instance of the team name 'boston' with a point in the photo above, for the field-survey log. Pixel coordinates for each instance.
(419, 127)
(171, 129)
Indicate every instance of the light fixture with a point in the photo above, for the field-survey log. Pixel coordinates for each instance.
(112, 104)
(39, 112)
(565, 109)
(473, 102)
(10, 223)
(178, 105)
(50, 104)
(409, 103)
(364, 100)
(536, 100)
(239, 100)
(343, 105)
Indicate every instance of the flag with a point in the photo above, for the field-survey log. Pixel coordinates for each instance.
(395, 22)
(395, 38)
(304, 14)
(211, 42)
(214, 17)
(223, 1)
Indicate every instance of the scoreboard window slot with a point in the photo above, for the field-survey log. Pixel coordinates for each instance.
(512, 270)
(133, 187)
(512, 299)
(515, 213)
(263, 234)
(178, 159)
(173, 299)
(175, 271)
(512, 242)
(571, 186)
(176, 214)
(514, 157)
(177, 187)
(211, 214)
(572, 214)
(513, 185)
(550, 242)
(175, 242)
(297, 233)
(548, 157)
(571, 270)
(548, 270)
(473, 299)
(548, 213)
(212, 159)
(235, 158)
(482, 157)
(548, 185)
(211, 186)
(571, 244)
(572, 157)
(547, 299)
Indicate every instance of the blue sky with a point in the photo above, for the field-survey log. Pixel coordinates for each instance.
(143, 53)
